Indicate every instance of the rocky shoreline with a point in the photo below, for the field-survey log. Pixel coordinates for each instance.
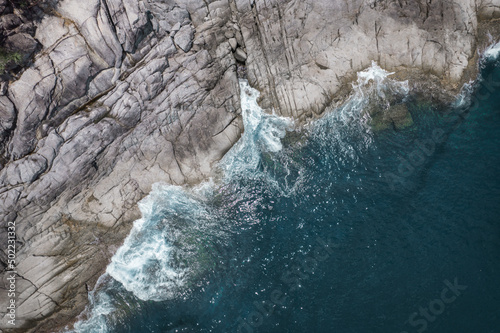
(118, 95)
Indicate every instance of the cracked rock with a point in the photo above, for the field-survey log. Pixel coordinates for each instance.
(23, 171)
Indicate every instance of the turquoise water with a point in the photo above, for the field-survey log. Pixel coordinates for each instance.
(328, 228)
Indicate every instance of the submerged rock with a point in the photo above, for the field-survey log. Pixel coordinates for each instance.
(397, 117)
(400, 116)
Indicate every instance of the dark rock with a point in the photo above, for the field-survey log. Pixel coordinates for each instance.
(22, 43)
(400, 116)
(28, 28)
(397, 117)
(9, 21)
(3, 6)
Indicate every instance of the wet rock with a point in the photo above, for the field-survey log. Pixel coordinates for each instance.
(400, 116)
(311, 62)
(397, 117)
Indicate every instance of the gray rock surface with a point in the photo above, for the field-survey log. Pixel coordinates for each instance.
(127, 93)
(109, 107)
(301, 54)
(240, 55)
(184, 37)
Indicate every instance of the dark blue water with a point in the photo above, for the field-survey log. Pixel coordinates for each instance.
(344, 230)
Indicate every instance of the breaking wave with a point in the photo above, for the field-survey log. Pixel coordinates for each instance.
(171, 247)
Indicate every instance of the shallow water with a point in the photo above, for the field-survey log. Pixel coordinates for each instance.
(331, 228)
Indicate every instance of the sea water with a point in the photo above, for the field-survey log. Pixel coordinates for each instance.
(331, 227)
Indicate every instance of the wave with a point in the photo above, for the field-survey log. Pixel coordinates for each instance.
(263, 133)
(465, 98)
(170, 246)
(169, 249)
(492, 52)
(145, 263)
(348, 128)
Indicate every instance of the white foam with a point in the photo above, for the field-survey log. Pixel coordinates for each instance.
(146, 263)
(100, 307)
(376, 79)
(373, 73)
(263, 133)
(143, 263)
(492, 52)
(373, 88)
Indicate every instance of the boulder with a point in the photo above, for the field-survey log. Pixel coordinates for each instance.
(9, 21)
(233, 43)
(184, 38)
(3, 5)
(240, 55)
(400, 116)
(22, 43)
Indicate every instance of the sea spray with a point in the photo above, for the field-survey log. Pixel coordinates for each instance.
(144, 264)
(383, 235)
